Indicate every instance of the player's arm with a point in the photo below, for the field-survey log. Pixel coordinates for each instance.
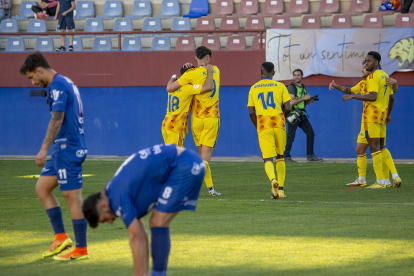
(57, 11)
(390, 106)
(371, 97)
(252, 114)
(341, 88)
(171, 81)
(138, 240)
(292, 95)
(288, 108)
(171, 87)
(208, 84)
(52, 131)
(73, 6)
(393, 82)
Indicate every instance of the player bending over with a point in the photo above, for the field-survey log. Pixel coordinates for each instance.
(265, 109)
(165, 179)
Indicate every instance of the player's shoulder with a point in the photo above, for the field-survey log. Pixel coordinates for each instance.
(216, 69)
(59, 82)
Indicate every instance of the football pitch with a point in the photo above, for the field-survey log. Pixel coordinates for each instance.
(321, 228)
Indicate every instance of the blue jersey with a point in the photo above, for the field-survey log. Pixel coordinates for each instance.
(64, 96)
(64, 6)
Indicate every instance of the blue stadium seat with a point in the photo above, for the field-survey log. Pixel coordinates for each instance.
(84, 9)
(198, 8)
(111, 10)
(44, 44)
(140, 9)
(36, 26)
(8, 26)
(93, 25)
(25, 11)
(15, 44)
(77, 44)
(131, 44)
(161, 43)
(122, 25)
(150, 25)
(180, 24)
(169, 8)
(102, 44)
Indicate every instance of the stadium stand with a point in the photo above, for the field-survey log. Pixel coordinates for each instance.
(256, 42)
(247, 8)
(204, 24)
(169, 8)
(140, 9)
(198, 8)
(131, 44)
(111, 10)
(236, 43)
(180, 24)
(387, 12)
(150, 25)
(358, 7)
(341, 21)
(93, 25)
(122, 25)
(254, 23)
(373, 21)
(15, 44)
(311, 22)
(222, 8)
(102, 44)
(84, 9)
(36, 26)
(77, 44)
(404, 20)
(298, 8)
(211, 41)
(230, 23)
(161, 43)
(271, 8)
(280, 22)
(327, 7)
(25, 10)
(185, 43)
(9, 26)
(44, 44)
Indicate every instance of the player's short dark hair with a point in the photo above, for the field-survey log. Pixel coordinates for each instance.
(33, 61)
(375, 55)
(268, 66)
(90, 210)
(297, 70)
(184, 68)
(202, 51)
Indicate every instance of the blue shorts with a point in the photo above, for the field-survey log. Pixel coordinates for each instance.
(181, 190)
(66, 22)
(67, 166)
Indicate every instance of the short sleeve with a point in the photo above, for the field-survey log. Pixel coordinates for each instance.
(292, 89)
(58, 96)
(250, 101)
(285, 94)
(186, 78)
(122, 206)
(356, 89)
(191, 89)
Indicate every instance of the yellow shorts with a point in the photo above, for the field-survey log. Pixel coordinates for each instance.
(171, 137)
(205, 131)
(371, 130)
(272, 142)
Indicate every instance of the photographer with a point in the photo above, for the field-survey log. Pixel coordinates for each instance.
(298, 117)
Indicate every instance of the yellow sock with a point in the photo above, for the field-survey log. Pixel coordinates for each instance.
(386, 155)
(270, 170)
(207, 177)
(281, 171)
(362, 165)
(385, 170)
(377, 160)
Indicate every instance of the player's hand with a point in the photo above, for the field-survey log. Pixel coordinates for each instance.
(40, 158)
(64, 13)
(307, 97)
(188, 65)
(310, 102)
(388, 120)
(347, 97)
(55, 18)
(390, 81)
(209, 67)
(332, 85)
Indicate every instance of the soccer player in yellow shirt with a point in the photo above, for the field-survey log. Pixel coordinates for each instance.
(175, 123)
(205, 114)
(377, 109)
(266, 98)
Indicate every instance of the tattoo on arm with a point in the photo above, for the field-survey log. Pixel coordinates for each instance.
(53, 128)
(344, 89)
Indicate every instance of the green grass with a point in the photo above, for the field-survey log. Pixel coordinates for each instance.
(321, 228)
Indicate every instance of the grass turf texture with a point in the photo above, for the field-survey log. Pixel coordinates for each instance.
(321, 228)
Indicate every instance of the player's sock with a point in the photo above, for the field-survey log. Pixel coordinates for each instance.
(385, 169)
(207, 176)
(395, 175)
(160, 249)
(281, 172)
(386, 155)
(79, 227)
(362, 166)
(377, 160)
(270, 170)
(55, 217)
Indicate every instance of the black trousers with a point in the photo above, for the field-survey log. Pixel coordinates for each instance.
(305, 125)
(51, 11)
(406, 6)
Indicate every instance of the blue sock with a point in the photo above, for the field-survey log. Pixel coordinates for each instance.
(160, 250)
(55, 217)
(79, 227)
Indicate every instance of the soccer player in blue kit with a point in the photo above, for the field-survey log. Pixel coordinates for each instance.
(163, 178)
(64, 168)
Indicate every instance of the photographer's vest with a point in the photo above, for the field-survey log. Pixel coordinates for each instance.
(300, 92)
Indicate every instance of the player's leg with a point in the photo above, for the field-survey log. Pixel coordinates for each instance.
(385, 169)
(290, 138)
(361, 149)
(374, 142)
(280, 139)
(62, 27)
(306, 126)
(268, 148)
(62, 38)
(71, 27)
(171, 137)
(70, 40)
(387, 158)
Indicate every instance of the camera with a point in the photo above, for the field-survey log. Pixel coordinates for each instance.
(292, 118)
(315, 98)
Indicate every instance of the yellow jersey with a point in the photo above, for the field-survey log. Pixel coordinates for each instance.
(205, 105)
(267, 97)
(360, 88)
(178, 108)
(376, 112)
